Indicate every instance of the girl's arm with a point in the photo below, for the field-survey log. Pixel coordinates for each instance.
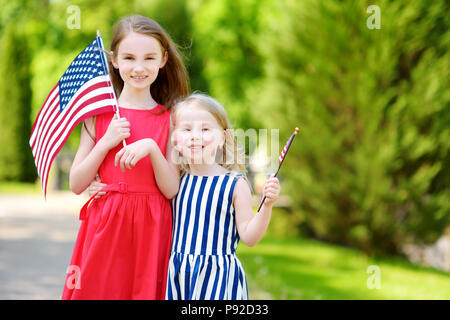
(251, 228)
(90, 155)
(167, 174)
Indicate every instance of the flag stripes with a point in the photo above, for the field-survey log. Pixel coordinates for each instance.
(55, 127)
(83, 91)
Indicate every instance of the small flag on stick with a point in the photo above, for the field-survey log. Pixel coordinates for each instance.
(84, 90)
(281, 159)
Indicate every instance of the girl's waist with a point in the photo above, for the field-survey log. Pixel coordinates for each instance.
(122, 188)
(126, 187)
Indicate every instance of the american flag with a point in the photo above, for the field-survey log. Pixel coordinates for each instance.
(286, 147)
(281, 159)
(83, 91)
(283, 153)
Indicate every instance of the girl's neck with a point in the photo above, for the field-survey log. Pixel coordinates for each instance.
(206, 169)
(135, 98)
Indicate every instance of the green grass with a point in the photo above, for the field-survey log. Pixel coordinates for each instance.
(307, 269)
(19, 187)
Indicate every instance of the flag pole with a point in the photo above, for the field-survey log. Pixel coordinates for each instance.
(105, 66)
(282, 156)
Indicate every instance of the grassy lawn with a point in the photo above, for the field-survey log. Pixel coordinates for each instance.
(20, 188)
(307, 269)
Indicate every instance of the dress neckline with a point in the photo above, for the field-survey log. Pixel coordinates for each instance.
(236, 174)
(154, 108)
(217, 175)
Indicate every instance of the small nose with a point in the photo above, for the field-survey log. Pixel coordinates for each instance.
(138, 67)
(196, 134)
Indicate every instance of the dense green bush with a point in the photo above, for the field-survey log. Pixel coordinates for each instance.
(371, 165)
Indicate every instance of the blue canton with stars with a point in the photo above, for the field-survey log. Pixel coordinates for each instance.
(86, 66)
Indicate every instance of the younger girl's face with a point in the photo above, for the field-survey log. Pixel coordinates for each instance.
(198, 135)
(139, 58)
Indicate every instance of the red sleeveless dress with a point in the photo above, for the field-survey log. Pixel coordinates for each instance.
(123, 244)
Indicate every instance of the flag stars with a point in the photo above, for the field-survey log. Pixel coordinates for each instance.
(86, 66)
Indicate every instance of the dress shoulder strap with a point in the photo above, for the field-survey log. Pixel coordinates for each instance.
(234, 174)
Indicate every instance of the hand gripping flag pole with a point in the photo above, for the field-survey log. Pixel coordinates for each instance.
(105, 67)
(281, 159)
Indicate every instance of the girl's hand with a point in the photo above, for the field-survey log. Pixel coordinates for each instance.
(95, 186)
(118, 130)
(271, 190)
(128, 156)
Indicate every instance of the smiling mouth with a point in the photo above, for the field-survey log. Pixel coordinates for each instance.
(196, 148)
(139, 77)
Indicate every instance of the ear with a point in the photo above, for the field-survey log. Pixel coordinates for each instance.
(114, 61)
(164, 59)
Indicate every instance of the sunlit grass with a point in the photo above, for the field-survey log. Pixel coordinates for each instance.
(307, 269)
(19, 188)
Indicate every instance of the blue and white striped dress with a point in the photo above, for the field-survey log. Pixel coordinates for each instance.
(203, 263)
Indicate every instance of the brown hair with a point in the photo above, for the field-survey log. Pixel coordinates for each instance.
(172, 81)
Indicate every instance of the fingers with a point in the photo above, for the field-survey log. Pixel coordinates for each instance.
(95, 187)
(122, 161)
(271, 189)
(102, 193)
(122, 126)
(120, 122)
(118, 130)
(119, 156)
(127, 161)
(272, 182)
(125, 158)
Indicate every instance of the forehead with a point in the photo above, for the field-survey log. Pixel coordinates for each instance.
(137, 43)
(191, 114)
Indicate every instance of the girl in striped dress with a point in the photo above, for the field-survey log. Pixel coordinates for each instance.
(212, 210)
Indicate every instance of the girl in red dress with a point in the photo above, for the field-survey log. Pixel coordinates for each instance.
(123, 244)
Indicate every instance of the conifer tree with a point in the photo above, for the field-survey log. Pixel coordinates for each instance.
(16, 160)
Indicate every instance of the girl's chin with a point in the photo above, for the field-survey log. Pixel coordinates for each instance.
(201, 161)
(140, 84)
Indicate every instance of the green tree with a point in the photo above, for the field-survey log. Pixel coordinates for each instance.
(176, 18)
(370, 167)
(226, 34)
(16, 161)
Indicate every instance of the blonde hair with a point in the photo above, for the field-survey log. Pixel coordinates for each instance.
(233, 157)
(172, 82)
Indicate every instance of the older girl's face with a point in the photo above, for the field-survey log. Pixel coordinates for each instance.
(139, 58)
(198, 135)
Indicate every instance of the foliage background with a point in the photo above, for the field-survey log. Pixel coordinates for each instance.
(370, 168)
